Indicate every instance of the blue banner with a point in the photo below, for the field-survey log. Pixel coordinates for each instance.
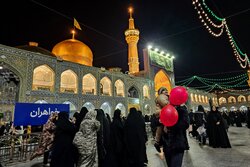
(36, 113)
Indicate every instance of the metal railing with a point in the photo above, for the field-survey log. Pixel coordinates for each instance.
(18, 148)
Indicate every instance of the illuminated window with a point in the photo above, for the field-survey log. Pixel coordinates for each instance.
(192, 97)
(206, 99)
(203, 99)
(43, 78)
(199, 98)
(89, 84)
(231, 99)
(68, 82)
(119, 88)
(196, 98)
(145, 91)
(241, 98)
(105, 86)
(222, 100)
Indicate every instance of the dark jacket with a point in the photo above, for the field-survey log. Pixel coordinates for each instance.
(175, 137)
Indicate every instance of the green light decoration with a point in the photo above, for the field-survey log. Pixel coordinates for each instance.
(241, 57)
(212, 83)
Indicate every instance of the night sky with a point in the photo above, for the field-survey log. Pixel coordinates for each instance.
(167, 24)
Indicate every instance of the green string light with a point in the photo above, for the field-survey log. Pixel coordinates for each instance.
(212, 13)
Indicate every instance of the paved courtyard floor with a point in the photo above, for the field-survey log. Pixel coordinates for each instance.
(198, 155)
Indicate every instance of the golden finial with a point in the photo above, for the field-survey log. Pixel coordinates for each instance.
(130, 10)
(73, 33)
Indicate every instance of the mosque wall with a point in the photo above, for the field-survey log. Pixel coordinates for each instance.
(23, 63)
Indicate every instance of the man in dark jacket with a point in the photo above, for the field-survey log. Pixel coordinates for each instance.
(175, 140)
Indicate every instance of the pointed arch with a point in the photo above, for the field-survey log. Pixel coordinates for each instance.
(43, 78)
(196, 98)
(72, 108)
(231, 99)
(106, 108)
(203, 99)
(146, 92)
(69, 82)
(105, 86)
(89, 84)
(241, 98)
(199, 98)
(133, 92)
(192, 97)
(162, 80)
(119, 88)
(222, 100)
(121, 107)
(89, 106)
(243, 108)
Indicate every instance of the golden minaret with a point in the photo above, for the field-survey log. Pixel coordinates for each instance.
(132, 38)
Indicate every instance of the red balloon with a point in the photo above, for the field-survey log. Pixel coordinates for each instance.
(169, 115)
(178, 96)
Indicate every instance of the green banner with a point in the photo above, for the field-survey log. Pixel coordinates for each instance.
(161, 60)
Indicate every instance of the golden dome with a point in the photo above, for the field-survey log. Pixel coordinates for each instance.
(74, 51)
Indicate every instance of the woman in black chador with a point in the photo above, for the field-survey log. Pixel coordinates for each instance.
(135, 139)
(216, 130)
(62, 148)
(117, 140)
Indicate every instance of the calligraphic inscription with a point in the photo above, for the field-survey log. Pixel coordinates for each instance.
(161, 61)
(36, 113)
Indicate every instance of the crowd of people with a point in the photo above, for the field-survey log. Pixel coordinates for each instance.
(92, 139)
(213, 125)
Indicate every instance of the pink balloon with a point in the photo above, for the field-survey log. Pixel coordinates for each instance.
(169, 115)
(178, 96)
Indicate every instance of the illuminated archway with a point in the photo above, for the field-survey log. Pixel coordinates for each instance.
(119, 88)
(41, 101)
(72, 108)
(203, 99)
(206, 99)
(222, 100)
(243, 108)
(231, 99)
(199, 97)
(89, 106)
(146, 91)
(105, 86)
(162, 80)
(248, 98)
(121, 107)
(89, 84)
(43, 78)
(106, 108)
(68, 82)
(241, 98)
(192, 97)
(196, 98)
